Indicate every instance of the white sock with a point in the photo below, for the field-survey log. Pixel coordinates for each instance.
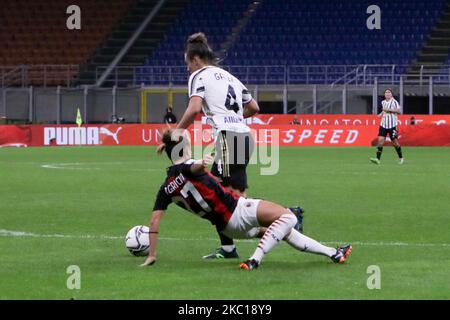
(228, 248)
(276, 232)
(303, 243)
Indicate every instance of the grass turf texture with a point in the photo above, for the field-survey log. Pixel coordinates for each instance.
(397, 218)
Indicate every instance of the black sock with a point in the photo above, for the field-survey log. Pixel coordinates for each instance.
(399, 151)
(379, 152)
(224, 240)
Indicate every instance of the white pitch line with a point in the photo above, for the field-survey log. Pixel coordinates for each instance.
(22, 234)
(66, 166)
(79, 166)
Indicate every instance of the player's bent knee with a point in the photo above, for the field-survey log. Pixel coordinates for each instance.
(289, 218)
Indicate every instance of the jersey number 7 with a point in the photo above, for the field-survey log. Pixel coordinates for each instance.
(189, 189)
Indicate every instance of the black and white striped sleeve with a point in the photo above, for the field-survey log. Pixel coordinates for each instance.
(382, 105)
(396, 106)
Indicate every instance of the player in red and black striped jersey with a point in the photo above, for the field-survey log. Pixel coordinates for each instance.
(197, 192)
(190, 185)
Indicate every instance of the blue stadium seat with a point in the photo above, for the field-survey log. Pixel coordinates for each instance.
(303, 32)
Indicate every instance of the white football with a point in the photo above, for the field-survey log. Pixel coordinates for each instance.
(137, 241)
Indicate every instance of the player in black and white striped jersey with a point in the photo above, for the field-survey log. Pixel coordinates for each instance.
(389, 117)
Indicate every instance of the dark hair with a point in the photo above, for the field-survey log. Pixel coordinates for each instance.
(389, 89)
(197, 45)
(169, 144)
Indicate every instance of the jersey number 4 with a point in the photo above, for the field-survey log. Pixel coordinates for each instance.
(230, 102)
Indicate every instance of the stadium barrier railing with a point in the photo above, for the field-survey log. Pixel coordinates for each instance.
(37, 75)
(360, 75)
(147, 104)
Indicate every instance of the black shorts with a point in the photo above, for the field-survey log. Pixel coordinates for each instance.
(233, 153)
(383, 132)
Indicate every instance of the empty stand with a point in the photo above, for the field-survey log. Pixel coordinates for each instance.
(283, 35)
(141, 49)
(321, 32)
(35, 33)
(307, 32)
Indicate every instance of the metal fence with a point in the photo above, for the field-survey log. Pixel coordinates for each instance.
(129, 76)
(39, 75)
(58, 105)
(360, 75)
(297, 89)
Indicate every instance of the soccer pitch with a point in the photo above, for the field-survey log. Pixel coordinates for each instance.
(73, 206)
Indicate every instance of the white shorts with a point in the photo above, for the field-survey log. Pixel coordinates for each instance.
(243, 223)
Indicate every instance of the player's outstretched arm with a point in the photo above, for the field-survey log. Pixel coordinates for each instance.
(251, 108)
(153, 236)
(194, 108)
(200, 166)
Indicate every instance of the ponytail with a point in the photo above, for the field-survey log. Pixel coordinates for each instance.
(197, 45)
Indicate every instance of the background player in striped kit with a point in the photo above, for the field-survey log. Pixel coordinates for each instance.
(388, 125)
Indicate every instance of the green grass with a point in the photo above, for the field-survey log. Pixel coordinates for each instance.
(397, 217)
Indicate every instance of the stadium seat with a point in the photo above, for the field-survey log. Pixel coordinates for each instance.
(35, 33)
